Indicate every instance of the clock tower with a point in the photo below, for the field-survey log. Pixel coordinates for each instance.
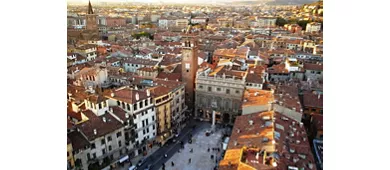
(189, 66)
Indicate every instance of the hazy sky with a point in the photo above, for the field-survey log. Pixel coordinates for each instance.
(148, 1)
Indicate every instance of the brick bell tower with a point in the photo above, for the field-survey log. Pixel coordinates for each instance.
(189, 66)
(91, 19)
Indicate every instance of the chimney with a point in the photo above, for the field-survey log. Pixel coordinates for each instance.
(251, 122)
(94, 131)
(257, 155)
(112, 95)
(148, 92)
(235, 143)
(319, 95)
(137, 96)
(104, 119)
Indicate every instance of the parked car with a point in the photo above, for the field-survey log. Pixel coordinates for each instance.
(133, 167)
(141, 162)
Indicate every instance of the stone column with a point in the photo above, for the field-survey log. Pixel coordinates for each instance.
(213, 121)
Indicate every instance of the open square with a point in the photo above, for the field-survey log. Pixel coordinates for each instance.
(200, 157)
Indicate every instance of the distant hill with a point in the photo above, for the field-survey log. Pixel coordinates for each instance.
(291, 2)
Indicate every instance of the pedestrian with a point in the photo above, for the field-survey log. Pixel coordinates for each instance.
(189, 161)
(173, 164)
(208, 150)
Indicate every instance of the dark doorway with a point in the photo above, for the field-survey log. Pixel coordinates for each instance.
(226, 118)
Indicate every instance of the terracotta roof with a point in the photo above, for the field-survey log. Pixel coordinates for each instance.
(78, 140)
(133, 60)
(118, 111)
(310, 66)
(229, 73)
(169, 60)
(284, 140)
(147, 69)
(280, 68)
(94, 98)
(312, 100)
(127, 95)
(97, 122)
(254, 97)
(169, 76)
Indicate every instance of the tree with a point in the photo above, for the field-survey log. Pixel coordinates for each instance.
(303, 23)
(280, 21)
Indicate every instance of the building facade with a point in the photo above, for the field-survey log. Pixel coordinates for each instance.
(220, 93)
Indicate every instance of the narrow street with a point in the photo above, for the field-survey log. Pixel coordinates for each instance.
(157, 158)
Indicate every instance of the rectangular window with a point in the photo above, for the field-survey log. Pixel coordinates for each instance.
(103, 141)
(218, 89)
(120, 143)
(143, 123)
(93, 146)
(94, 155)
(135, 106)
(119, 134)
(109, 138)
(201, 87)
(141, 105)
(237, 91)
(153, 117)
(143, 131)
(152, 109)
(154, 127)
(209, 88)
(103, 151)
(109, 148)
(146, 102)
(88, 156)
(147, 130)
(147, 122)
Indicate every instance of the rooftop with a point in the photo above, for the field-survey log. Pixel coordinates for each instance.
(102, 125)
(254, 97)
(267, 140)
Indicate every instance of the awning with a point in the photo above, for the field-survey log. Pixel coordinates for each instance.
(124, 159)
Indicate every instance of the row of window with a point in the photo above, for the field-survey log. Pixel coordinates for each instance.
(126, 106)
(109, 138)
(103, 151)
(147, 130)
(100, 105)
(218, 89)
(136, 65)
(314, 72)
